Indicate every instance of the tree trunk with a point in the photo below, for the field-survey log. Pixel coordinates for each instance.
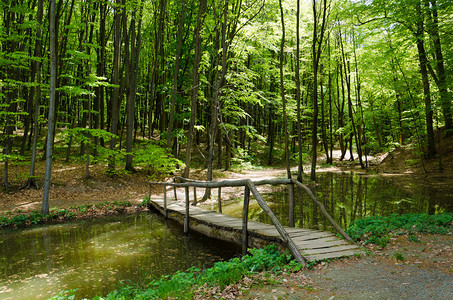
(423, 61)
(116, 81)
(196, 81)
(215, 102)
(441, 80)
(316, 55)
(135, 43)
(300, 165)
(282, 93)
(175, 76)
(51, 120)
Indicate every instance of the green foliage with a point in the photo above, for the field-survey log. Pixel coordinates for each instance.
(156, 159)
(242, 160)
(35, 217)
(65, 295)
(145, 201)
(399, 256)
(377, 230)
(182, 285)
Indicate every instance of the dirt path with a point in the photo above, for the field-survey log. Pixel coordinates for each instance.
(404, 270)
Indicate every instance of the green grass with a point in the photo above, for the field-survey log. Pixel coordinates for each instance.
(377, 230)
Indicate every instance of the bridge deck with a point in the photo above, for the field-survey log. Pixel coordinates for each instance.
(312, 244)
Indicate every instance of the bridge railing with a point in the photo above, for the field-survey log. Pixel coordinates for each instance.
(249, 187)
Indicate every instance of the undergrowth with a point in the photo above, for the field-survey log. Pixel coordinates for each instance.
(377, 230)
(18, 219)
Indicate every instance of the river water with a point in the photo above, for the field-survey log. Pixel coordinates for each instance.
(94, 255)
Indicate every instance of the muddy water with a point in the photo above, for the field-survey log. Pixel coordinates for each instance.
(350, 196)
(93, 256)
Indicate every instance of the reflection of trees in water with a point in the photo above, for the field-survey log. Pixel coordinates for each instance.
(351, 196)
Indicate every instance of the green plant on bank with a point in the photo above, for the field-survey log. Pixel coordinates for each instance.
(35, 217)
(183, 285)
(377, 230)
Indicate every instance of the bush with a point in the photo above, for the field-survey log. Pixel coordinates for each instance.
(157, 160)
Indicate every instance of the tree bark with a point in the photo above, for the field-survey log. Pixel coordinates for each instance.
(51, 119)
(423, 61)
(175, 76)
(116, 81)
(195, 84)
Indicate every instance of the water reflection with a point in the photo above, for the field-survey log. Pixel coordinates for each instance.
(94, 255)
(351, 196)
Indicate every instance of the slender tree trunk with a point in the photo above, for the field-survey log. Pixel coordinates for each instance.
(196, 81)
(175, 75)
(300, 165)
(37, 95)
(116, 81)
(135, 44)
(282, 94)
(51, 120)
(441, 78)
(215, 103)
(316, 55)
(423, 61)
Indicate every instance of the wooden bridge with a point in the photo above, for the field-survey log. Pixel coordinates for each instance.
(304, 244)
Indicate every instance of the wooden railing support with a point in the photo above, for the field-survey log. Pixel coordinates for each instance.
(219, 200)
(291, 205)
(174, 188)
(149, 196)
(186, 218)
(245, 216)
(292, 247)
(195, 201)
(165, 202)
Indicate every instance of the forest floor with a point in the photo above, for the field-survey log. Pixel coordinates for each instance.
(404, 269)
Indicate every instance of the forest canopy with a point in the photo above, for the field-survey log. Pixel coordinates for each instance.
(236, 81)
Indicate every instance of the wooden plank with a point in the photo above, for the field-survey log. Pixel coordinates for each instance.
(328, 249)
(312, 236)
(291, 230)
(320, 243)
(295, 235)
(334, 255)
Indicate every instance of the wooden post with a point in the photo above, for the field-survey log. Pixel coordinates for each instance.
(165, 201)
(174, 188)
(195, 196)
(149, 196)
(219, 201)
(186, 218)
(291, 205)
(245, 215)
